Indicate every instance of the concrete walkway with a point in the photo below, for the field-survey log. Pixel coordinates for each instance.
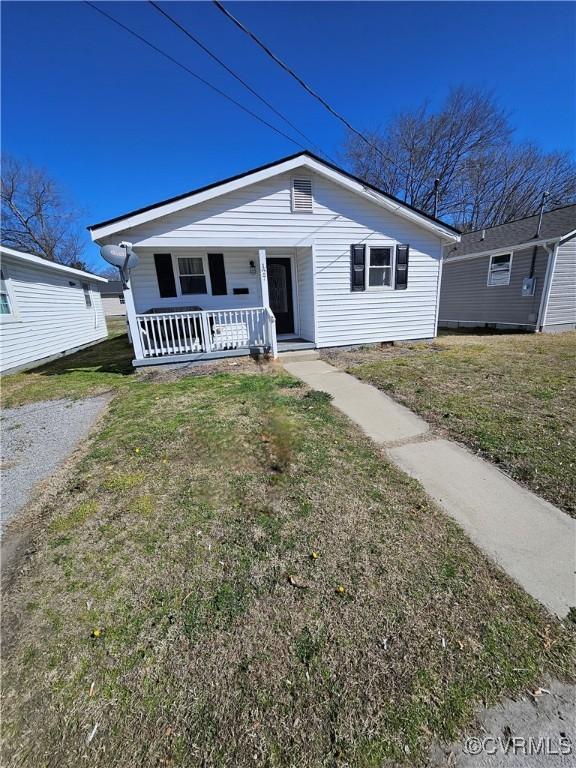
(533, 541)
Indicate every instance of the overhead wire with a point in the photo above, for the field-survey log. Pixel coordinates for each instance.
(234, 74)
(308, 88)
(194, 74)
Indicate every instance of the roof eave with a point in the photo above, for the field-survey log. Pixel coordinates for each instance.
(30, 258)
(506, 248)
(173, 205)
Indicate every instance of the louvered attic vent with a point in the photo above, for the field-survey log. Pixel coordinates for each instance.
(302, 195)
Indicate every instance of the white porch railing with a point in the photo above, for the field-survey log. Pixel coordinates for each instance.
(182, 333)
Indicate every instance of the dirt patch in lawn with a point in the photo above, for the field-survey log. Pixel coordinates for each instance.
(511, 398)
(235, 576)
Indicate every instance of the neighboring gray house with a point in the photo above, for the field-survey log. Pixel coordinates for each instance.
(520, 275)
(113, 298)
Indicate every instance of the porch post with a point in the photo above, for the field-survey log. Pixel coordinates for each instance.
(266, 301)
(132, 322)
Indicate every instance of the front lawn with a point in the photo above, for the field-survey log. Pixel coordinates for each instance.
(103, 367)
(234, 576)
(510, 397)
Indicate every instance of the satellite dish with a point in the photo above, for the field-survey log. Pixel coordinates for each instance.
(118, 256)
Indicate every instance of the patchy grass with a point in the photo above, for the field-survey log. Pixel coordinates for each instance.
(512, 398)
(103, 367)
(173, 609)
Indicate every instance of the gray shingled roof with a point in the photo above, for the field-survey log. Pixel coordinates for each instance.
(555, 223)
(111, 288)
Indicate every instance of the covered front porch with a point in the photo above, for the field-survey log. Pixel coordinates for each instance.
(195, 304)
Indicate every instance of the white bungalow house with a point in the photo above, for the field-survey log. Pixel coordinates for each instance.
(46, 310)
(295, 254)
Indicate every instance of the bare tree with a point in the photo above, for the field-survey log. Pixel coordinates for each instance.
(35, 216)
(484, 178)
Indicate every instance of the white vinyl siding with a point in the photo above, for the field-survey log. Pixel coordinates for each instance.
(52, 316)
(305, 293)
(238, 275)
(561, 308)
(261, 216)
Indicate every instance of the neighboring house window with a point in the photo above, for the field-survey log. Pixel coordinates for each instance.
(500, 269)
(87, 297)
(192, 277)
(380, 264)
(5, 303)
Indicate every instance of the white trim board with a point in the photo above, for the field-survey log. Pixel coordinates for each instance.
(51, 265)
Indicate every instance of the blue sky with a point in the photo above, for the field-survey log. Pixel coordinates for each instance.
(121, 127)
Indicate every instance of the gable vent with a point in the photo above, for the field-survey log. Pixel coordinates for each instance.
(302, 195)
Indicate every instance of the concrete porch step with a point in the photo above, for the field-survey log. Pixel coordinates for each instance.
(295, 356)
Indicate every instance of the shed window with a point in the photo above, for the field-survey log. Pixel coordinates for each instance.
(500, 269)
(87, 297)
(192, 277)
(380, 268)
(5, 302)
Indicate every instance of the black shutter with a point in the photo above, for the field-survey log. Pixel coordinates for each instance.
(357, 267)
(217, 274)
(401, 277)
(165, 274)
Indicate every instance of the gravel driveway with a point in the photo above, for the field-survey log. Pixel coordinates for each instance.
(36, 439)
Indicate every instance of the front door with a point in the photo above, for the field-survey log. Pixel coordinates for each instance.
(280, 293)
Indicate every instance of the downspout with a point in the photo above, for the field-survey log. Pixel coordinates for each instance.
(551, 251)
(537, 235)
(439, 289)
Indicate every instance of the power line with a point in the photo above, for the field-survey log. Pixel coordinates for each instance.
(213, 56)
(306, 87)
(196, 76)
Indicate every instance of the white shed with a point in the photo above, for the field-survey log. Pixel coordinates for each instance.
(46, 310)
(294, 254)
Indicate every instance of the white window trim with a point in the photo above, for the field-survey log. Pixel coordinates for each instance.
(380, 288)
(90, 293)
(292, 206)
(14, 316)
(495, 256)
(192, 255)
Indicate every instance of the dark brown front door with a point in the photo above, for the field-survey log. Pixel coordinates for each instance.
(280, 293)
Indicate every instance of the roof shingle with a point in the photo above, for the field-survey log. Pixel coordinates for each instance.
(555, 223)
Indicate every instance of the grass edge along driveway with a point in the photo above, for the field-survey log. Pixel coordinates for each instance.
(510, 397)
(233, 574)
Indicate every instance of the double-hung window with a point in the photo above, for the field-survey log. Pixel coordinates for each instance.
(500, 269)
(380, 266)
(192, 276)
(6, 305)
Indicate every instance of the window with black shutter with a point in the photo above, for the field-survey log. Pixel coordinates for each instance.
(358, 267)
(165, 274)
(401, 276)
(217, 274)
